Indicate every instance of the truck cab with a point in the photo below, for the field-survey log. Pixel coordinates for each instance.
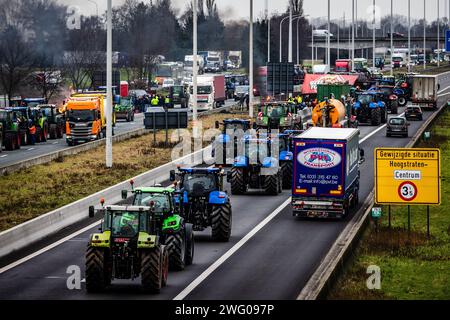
(85, 120)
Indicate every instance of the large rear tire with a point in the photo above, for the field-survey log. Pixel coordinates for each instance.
(10, 142)
(189, 232)
(53, 131)
(96, 274)
(152, 269)
(176, 247)
(270, 184)
(376, 117)
(221, 219)
(237, 181)
(286, 171)
(394, 108)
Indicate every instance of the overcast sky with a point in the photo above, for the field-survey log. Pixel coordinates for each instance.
(238, 9)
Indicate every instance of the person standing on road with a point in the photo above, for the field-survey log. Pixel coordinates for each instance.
(155, 101)
(167, 102)
(33, 133)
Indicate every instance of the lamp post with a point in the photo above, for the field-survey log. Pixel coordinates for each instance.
(353, 35)
(250, 90)
(409, 35)
(108, 149)
(195, 67)
(290, 33)
(281, 34)
(268, 30)
(438, 36)
(424, 35)
(328, 38)
(392, 36)
(373, 35)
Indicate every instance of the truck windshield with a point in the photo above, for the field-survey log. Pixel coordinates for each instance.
(47, 111)
(127, 224)
(160, 201)
(80, 115)
(202, 90)
(164, 71)
(205, 182)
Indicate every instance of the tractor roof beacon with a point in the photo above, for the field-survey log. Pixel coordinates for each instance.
(128, 246)
(203, 200)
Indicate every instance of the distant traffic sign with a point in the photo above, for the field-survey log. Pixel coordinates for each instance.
(447, 41)
(407, 176)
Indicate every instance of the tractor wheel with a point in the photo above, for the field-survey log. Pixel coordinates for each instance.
(152, 269)
(96, 274)
(402, 101)
(384, 116)
(189, 232)
(270, 184)
(53, 132)
(394, 108)
(10, 143)
(237, 181)
(376, 117)
(38, 134)
(18, 140)
(286, 171)
(24, 138)
(176, 246)
(165, 265)
(221, 218)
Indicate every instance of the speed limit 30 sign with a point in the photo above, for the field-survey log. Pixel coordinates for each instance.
(407, 176)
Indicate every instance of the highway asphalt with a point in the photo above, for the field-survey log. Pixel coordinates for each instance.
(271, 254)
(28, 152)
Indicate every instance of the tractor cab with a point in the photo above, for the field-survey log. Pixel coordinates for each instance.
(278, 115)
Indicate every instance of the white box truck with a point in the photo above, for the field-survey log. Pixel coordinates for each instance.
(210, 92)
(424, 91)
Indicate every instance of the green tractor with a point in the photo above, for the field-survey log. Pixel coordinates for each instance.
(278, 115)
(9, 131)
(128, 246)
(55, 120)
(175, 232)
(125, 109)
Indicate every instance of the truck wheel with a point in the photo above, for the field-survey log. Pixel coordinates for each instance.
(221, 219)
(286, 171)
(96, 273)
(237, 181)
(394, 108)
(152, 269)
(176, 247)
(376, 117)
(189, 232)
(270, 184)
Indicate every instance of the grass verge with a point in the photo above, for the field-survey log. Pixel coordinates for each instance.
(40, 189)
(412, 266)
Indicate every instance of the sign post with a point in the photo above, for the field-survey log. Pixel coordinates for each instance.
(408, 177)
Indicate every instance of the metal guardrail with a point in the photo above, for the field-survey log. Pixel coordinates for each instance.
(330, 267)
(23, 164)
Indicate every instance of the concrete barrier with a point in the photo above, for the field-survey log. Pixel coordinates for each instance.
(324, 277)
(45, 225)
(89, 146)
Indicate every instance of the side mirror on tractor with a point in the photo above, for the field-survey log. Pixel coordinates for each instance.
(91, 211)
(217, 124)
(124, 194)
(229, 176)
(172, 175)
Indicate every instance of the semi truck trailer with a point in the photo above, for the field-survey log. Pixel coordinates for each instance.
(326, 172)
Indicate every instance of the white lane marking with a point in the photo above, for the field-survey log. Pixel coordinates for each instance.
(30, 149)
(3, 156)
(49, 247)
(377, 130)
(54, 277)
(445, 89)
(230, 252)
(55, 142)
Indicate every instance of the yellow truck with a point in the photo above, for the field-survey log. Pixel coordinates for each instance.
(86, 118)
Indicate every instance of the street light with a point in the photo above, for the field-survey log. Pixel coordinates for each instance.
(195, 67)
(281, 34)
(392, 36)
(409, 35)
(353, 35)
(108, 148)
(328, 37)
(438, 35)
(424, 35)
(268, 30)
(250, 91)
(373, 31)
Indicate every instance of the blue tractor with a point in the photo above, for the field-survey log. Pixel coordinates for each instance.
(256, 168)
(203, 200)
(224, 148)
(369, 108)
(286, 156)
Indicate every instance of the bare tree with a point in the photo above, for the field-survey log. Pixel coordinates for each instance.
(16, 60)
